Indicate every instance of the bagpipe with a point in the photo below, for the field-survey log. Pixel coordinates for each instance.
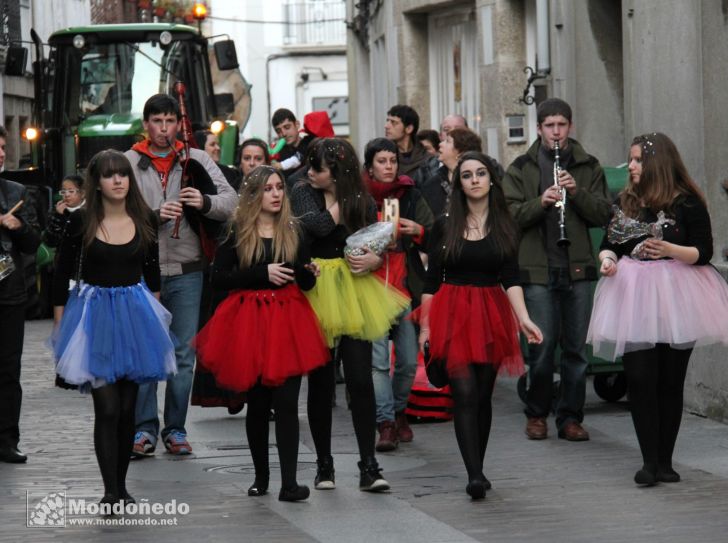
(195, 175)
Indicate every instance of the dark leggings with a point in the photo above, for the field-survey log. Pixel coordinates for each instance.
(473, 411)
(284, 401)
(357, 361)
(655, 379)
(114, 428)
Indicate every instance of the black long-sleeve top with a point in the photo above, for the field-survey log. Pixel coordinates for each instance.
(479, 264)
(328, 239)
(691, 229)
(103, 264)
(227, 275)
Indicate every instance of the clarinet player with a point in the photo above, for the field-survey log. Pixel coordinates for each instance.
(556, 274)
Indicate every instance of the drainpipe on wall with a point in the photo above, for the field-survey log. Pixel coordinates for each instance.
(543, 52)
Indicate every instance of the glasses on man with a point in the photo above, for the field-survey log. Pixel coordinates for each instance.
(68, 191)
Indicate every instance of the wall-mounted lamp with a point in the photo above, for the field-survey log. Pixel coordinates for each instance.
(307, 70)
(533, 75)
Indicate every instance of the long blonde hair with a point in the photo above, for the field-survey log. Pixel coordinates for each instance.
(244, 223)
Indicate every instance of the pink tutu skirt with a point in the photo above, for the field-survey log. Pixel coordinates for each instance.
(658, 301)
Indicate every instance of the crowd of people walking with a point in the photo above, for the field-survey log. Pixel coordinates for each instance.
(490, 270)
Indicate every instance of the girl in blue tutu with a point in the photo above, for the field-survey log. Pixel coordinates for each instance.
(111, 332)
(658, 297)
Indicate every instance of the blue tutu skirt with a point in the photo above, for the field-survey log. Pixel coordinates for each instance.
(107, 334)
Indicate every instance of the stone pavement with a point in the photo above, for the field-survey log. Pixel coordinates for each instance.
(542, 491)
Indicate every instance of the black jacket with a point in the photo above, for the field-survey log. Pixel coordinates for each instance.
(14, 242)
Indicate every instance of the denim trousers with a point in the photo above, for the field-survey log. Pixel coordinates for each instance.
(392, 393)
(561, 310)
(180, 294)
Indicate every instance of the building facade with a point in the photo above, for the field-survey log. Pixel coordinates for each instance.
(18, 17)
(293, 52)
(626, 67)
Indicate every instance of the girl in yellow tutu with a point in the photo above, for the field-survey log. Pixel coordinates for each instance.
(354, 306)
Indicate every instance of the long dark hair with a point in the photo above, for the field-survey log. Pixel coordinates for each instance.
(340, 158)
(105, 164)
(500, 225)
(663, 175)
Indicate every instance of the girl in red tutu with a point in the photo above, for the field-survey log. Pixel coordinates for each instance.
(658, 297)
(470, 322)
(264, 336)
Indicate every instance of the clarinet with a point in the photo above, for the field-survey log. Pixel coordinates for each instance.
(179, 88)
(563, 241)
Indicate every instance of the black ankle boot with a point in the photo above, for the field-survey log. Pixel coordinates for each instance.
(295, 494)
(258, 488)
(370, 476)
(665, 474)
(476, 489)
(126, 497)
(647, 476)
(325, 474)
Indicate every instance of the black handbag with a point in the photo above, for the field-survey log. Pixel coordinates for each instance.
(436, 369)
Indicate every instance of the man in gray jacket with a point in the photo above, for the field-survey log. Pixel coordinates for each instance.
(156, 165)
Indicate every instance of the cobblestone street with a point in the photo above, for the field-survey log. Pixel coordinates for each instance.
(545, 491)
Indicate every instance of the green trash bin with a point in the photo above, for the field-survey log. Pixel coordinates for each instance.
(609, 381)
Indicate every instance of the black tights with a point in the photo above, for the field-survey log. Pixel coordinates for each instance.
(114, 428)
(655, 379)
(284, 401)
(472, 395)
(357, 360)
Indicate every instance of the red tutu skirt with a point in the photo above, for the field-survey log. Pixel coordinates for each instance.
(266, 335)
(474, 325)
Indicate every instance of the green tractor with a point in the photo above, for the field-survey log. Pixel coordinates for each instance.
(91, 89)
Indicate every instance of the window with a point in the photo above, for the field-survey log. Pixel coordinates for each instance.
(516, 128)
(337, 107)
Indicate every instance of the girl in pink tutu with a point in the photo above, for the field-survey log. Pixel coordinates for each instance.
(472, 304)
(658, 297)
(264, 336)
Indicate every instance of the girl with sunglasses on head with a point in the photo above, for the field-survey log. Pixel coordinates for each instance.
(72, 199)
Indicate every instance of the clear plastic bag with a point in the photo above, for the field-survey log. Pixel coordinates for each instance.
(376, 237)
(7, 266)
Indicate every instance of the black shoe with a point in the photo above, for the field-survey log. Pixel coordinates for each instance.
(126, 497)
(325, 474)
(486, 482)
(646, 476)
(12, 455)
(370, 476)
(296, 494)
(667, 475)
(476, 489)
(107, 503)
(235, 407)
(258, 488)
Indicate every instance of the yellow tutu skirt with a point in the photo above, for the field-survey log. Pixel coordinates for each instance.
(358, 306)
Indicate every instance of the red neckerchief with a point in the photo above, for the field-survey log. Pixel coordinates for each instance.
(163, 164)
(380, 191)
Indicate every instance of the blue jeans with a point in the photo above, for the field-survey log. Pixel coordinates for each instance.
(180, 294)
(562, 312)
(391, 394)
